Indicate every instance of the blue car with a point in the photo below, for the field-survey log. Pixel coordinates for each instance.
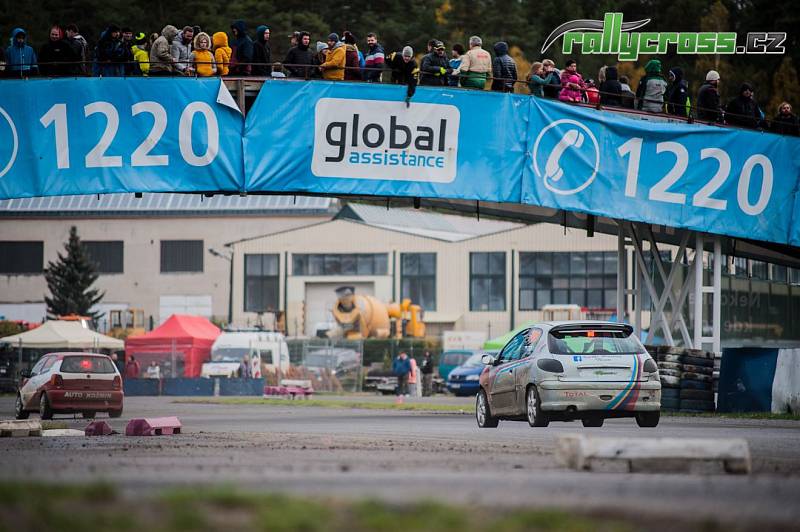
(465, 379)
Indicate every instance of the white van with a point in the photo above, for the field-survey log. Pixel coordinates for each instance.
(266, 350)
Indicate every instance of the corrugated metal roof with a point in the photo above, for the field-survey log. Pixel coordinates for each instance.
(161, 203)
(450, 227)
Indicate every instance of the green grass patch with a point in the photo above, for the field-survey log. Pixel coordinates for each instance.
(735, 415)
(42, 508)
(333, 403)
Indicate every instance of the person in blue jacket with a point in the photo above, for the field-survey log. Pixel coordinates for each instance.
(401, 367)
(21, 59)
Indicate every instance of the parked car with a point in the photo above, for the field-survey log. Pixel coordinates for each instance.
(380, 380)
(558, 371)
(68, 383)
(464, 380)
(450, 360)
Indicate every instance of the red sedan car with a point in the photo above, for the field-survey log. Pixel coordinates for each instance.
(69, 383)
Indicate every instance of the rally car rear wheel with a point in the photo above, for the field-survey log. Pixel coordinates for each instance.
(536, 418)
(483, 412)
(648, 419)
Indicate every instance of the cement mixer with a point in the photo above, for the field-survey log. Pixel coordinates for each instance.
(360, 316)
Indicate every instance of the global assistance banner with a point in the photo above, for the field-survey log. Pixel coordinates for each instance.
(102, 135)
(342, 138)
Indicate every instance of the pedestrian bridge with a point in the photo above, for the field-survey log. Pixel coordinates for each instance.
(488, 153)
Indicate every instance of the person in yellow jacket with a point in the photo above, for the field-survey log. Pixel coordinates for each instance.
(222, 53)
(202, 59)
(141, 52)
(333, 67)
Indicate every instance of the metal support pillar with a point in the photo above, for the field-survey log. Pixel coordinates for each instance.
(715, 290)
(622, 273)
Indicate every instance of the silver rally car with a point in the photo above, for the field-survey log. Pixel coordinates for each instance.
(560, 371)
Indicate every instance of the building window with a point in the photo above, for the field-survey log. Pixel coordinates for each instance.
(181, 256)
(18, 257)
(418, 279)
(794, 276)
(340, 264)
(261, 283)
(487, 281)
(588, 279)
(105, 254)
(759, 270)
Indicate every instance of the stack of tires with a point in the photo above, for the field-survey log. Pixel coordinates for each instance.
(687, 379)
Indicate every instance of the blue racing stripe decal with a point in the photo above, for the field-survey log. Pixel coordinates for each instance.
(621, 395)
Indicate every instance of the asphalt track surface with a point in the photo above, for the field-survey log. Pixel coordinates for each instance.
(411, 456)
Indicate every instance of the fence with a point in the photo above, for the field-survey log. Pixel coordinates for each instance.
(332, 365)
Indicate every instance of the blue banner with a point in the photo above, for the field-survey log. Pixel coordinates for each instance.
(348, 138)
(102, 135)
(713, 179)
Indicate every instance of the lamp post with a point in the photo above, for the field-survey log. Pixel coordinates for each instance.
(229, 258)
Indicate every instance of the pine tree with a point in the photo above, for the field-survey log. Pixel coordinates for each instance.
(69, 280)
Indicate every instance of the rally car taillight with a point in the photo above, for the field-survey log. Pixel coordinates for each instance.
(117, 384)
(56, 380)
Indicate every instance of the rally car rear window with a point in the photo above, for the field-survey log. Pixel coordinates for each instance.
(73, 364)
(593, 342)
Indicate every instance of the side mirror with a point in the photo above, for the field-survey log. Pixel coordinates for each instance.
(488, 360)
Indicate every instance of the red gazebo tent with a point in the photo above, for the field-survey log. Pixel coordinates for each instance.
(179, 346)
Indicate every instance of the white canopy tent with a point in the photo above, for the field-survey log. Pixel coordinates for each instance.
(57, 334)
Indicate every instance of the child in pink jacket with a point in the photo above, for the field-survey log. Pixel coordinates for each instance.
(571, 91)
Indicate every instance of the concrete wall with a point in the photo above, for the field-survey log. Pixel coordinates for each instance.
(142, 284)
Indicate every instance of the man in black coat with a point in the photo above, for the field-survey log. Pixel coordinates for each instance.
(403, 67)
(262, 53)
(435, 67)
(708, 104)
(56, 56)
(504, 69)
(743, 111)
(300, 54)
(611, 88)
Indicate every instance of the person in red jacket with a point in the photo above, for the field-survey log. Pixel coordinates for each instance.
(132, 368)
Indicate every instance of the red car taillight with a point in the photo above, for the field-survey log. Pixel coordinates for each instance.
(117, 384)
(56, 380)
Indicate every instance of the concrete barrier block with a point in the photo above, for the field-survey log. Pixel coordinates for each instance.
(98, 428)
(153, 426)
(654, 455)
(20, 428)
(52, 433)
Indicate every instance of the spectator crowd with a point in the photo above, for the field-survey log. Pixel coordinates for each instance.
(192, 52)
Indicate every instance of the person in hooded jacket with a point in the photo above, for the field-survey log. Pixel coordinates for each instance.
(141, 53)
(222, 53)
(56, 56)
(109, 56)
(611, 88)
(181, 50)
(351, 57)
(651, 89)
(21, 60)
(743, 111)
(262, 53)
(300, 54)
(785, 122)
(504, 69)
(335, 59)
(242, 46)
(202, 57)
(677, 97)
(161, 61)
(435, 67)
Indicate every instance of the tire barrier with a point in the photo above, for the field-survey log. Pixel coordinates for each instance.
(687, 378)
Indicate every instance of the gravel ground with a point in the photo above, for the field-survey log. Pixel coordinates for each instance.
(408, 456)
